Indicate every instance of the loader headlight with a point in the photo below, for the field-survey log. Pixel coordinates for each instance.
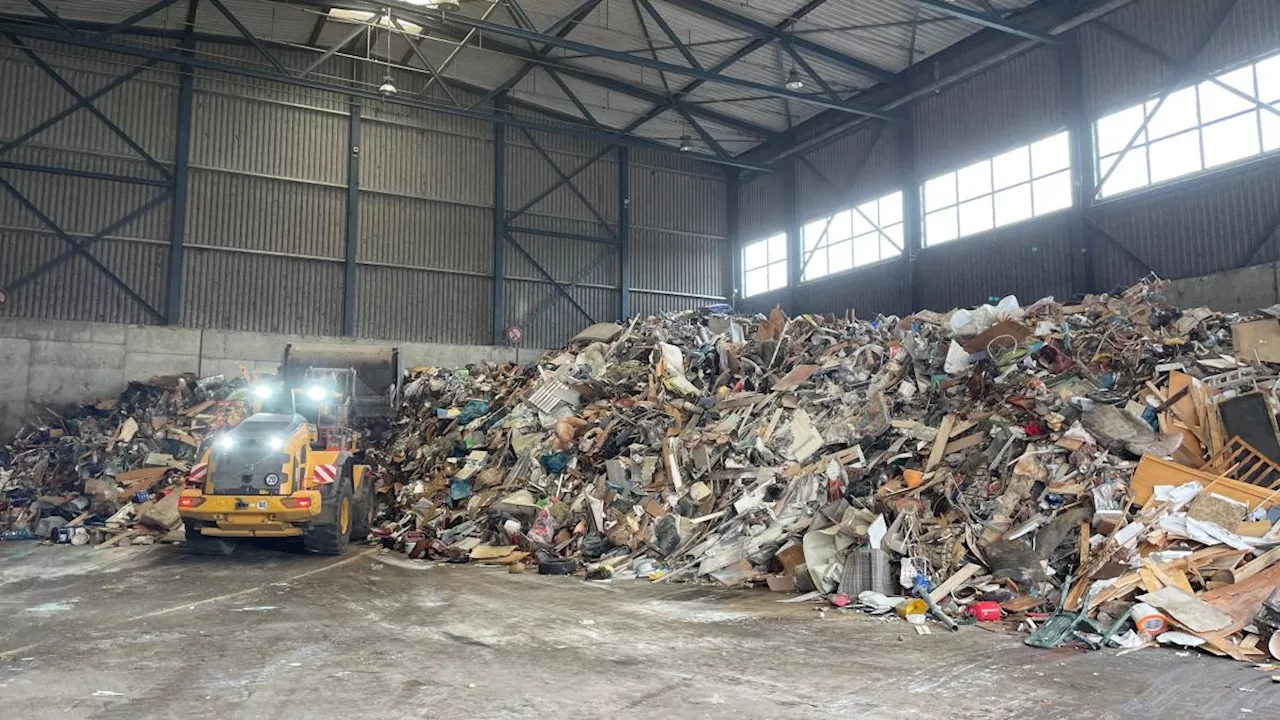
(316, 392)
(262, 392)
(275, 442)
(226, 442)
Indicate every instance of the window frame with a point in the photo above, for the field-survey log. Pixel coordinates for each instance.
(769, 263)
(881, 233)
(995, 186)
(1256, 108)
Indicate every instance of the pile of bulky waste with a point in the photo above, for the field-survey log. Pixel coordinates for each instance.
(1099, 472)
(110, 472)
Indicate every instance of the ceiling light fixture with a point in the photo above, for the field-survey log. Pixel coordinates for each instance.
(449, 5)
(388, 88)
(686, 143)
(794, 82)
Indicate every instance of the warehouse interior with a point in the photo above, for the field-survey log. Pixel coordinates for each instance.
(189, 186)
(241, 164)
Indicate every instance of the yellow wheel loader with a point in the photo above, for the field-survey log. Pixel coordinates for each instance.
(293, 468)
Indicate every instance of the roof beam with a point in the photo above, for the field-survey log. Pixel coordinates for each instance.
(642, 61)
(737, 55)
(561, 29)
(764, 30)
(608, 83)
(826, 127)
(50, 33)
(437, 19)
(995, 22)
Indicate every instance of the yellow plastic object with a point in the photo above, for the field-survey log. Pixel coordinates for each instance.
(914, 606)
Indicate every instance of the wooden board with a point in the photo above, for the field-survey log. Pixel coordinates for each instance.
(162, 515)
(141, 475)
(940, 442)
(964, 443)
(127, 534)
(1257, 340)
(1153, 471)
(1184, 407)
(1242, 600)
(960, 577)
(1188, 610)
(1258, 564)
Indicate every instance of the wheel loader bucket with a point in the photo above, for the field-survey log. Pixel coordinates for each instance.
(377, 369)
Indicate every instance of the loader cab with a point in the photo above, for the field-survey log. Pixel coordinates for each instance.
(324, 396)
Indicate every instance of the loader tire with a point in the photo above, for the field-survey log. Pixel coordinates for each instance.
(362, 520)
(332, 536)
(199, 544)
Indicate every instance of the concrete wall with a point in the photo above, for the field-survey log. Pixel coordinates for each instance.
(1242, 290)
(53, 364)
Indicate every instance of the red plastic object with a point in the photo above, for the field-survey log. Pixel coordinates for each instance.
(985, 611)
(840, 600)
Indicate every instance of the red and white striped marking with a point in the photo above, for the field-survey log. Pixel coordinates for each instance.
(326, 474)
(198, 472)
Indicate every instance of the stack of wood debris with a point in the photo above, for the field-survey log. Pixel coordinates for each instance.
(107, 473)
(1051, 467)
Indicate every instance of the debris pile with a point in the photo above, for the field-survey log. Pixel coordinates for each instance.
(109, 473)
(1104, 471)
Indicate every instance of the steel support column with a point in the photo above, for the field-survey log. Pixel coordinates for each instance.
(795, 244)
(624, 233)
(498, 299)
(353, 223)
(733, 243)
(1080, 139)
(912, 212)
(181, 172)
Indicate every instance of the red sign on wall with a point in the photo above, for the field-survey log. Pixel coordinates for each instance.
(515, 335)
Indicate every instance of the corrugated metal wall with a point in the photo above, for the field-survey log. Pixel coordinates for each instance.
(1201, 225)
(266, 215)
(136, 252)
(857, 167)
(1012, 104)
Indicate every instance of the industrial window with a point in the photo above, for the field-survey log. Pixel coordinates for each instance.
(865, 234)
(1227, 118)
(1023, 183)
(764, 265)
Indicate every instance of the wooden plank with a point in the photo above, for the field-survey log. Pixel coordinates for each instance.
(133, 477)
(128, 534)
(1085, 529)
(197, 409)
(961, 427)
(1258, 564)
(1152, 471)
(1149, 580)
(940, 442)
(1184, 407)
(80, 518)
(1195, 613)
(960, 577)
(1173, 577)
(964, 443)
(1242, 600)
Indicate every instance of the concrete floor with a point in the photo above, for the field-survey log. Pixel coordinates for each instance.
(150, 632)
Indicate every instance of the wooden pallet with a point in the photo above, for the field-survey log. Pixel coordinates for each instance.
(1241, 461)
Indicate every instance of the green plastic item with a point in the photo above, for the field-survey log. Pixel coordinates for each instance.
(1064, 625)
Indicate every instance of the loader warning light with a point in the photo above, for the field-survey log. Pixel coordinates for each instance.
(189, 501)
(298, 503)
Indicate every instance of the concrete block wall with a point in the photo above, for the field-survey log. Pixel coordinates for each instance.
(54, 364)
(1242, 290)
